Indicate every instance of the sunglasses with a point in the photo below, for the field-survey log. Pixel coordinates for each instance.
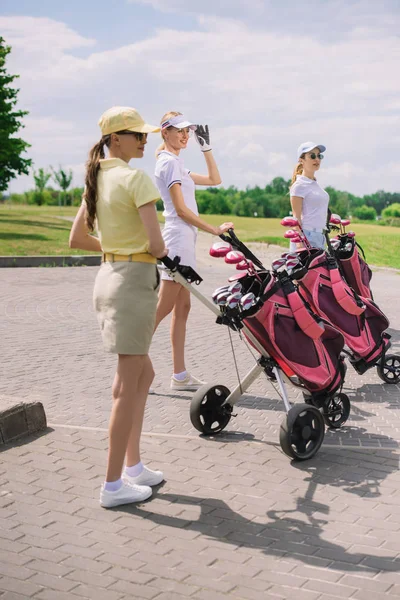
(138, 135)
(313, 156)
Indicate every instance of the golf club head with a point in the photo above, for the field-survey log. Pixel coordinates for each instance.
(237, 276)
(243, 265)
(235, 288)
(220, 249)
(222, 298)
(351, 234)
(247, 301)
(290, 233)
(219, 291)
(233, 300)
(290, 222)
(348, 247)
(291, 264)
(278, 264)
(335, 219)
(234, 257)
(296, 240)
(345, 222)
(291, 256)
(335, 244)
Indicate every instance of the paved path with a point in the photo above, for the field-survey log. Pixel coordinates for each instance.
(235, 518)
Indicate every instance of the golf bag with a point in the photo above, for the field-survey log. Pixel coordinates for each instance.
(354, 268)
(296, 338)
(359, 319)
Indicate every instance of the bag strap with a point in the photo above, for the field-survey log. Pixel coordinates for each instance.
(303, 316)
(350, 302)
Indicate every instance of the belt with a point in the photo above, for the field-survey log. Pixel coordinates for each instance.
(143, 257)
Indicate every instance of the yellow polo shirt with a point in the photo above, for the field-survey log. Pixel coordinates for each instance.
(121, 190)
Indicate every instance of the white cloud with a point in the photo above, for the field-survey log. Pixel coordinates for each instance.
(261, 92)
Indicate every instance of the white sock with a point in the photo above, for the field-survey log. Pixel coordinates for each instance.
(135, 470)
(113, 486)
(181, 376)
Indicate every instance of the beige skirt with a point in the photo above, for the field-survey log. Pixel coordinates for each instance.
(125, 300)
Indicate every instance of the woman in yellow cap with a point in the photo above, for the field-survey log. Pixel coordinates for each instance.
(120, 201)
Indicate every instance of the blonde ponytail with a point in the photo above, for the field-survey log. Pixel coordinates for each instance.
(297, 171)
(160, 148)
(167, 115)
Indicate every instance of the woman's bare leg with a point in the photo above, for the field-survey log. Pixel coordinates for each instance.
(128, 404)
(167, 295)
(178, 329)
(133, 448)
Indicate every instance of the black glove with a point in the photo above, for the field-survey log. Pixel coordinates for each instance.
(202, 136)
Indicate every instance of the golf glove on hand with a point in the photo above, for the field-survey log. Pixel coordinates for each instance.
(202, 136)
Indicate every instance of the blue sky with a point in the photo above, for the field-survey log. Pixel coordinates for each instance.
(265, 75)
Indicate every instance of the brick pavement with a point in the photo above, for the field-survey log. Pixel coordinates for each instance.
(234, 519)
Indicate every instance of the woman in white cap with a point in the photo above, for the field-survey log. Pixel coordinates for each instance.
(308, 199)
(120, 202)
(176, 185)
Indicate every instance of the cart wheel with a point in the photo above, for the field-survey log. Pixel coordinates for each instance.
(206, 413)
(302, 432)
(336, 410)
(390, 371)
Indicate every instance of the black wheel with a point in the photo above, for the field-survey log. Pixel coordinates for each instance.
(336, 410)
(206, 413)
(389, 371)
(302, 432)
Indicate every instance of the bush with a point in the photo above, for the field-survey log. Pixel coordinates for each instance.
(365, 213)
(391, 211)
(390, 222)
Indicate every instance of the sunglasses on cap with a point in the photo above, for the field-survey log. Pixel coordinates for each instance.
(138, 135)
(313, 156)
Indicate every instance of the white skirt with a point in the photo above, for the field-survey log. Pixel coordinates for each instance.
(180, 239)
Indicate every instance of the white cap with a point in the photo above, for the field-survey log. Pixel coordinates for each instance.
(180, 122)
(307, 146)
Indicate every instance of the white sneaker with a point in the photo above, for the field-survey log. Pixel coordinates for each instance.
(190, 383)
(126, 494)
(146, 477)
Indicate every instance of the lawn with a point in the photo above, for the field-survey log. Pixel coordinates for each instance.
(39, 230)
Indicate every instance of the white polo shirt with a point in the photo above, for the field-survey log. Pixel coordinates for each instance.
(169, 170)
(315, 202)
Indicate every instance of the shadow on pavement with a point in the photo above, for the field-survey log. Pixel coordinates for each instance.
(298, 531)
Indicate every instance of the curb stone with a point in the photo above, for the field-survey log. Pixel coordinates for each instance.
(87, 260)
(20, 420)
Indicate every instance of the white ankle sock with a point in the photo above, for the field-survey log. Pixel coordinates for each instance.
(135, 470)
(113, 486)
(181, 376)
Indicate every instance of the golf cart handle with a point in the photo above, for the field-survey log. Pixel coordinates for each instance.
(168, 262)
(232, 237)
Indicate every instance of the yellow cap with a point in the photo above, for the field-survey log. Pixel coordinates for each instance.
(124, 118)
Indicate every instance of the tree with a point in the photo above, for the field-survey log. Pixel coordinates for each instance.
(41, 178)
(63, 179)
(11, 148)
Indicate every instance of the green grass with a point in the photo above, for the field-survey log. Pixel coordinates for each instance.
(38, 230)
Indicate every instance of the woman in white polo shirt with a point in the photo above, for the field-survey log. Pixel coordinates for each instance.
(308, 199)
(120, 202)
(176, 185)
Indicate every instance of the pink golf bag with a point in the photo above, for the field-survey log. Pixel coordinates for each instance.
(359, 319)
(354, 268)
(299, 341)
